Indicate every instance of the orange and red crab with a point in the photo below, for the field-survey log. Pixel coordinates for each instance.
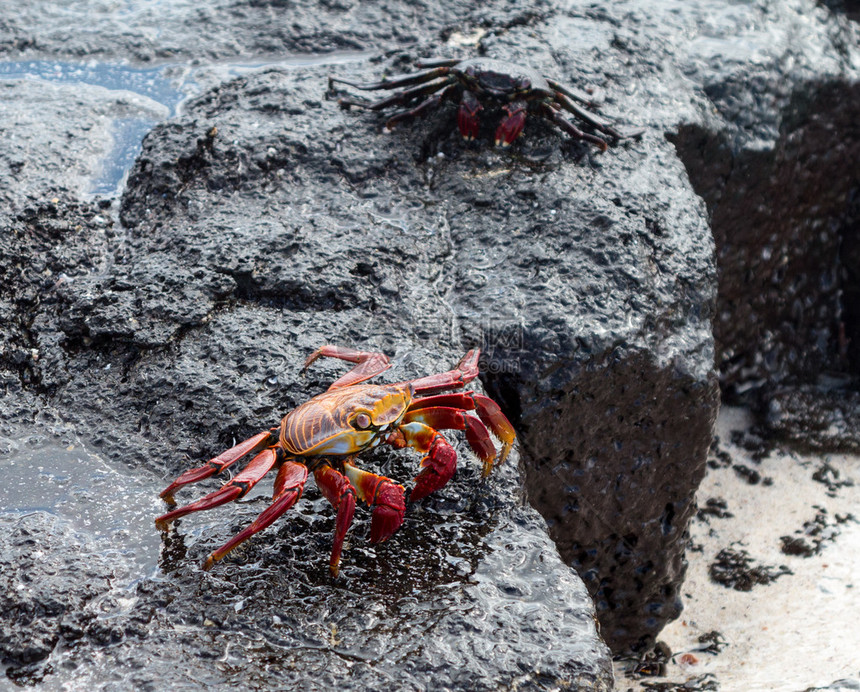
(519, 90)
(324, 435)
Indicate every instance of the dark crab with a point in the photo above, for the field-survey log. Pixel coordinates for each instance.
(519, 90)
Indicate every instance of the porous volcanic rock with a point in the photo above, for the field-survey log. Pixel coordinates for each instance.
(382, 238)
(148, 31)
(244, 248)
(777, 165)
(57, 137)
(265, 220)
(49, 593)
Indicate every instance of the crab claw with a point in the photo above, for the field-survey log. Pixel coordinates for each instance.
(389, 508)
(467, 116)
(386, 498)
(437, 467)
(512, 124)
(446, 411)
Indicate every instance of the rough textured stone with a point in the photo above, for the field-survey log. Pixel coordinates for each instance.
(265, 220)
(780, 215)
(192, 335)
(778, 168)
(47, 591)
(149, 31)
(819, 418)
(57, 138)
(526, 263)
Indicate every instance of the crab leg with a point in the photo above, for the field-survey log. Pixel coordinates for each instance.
(339, 491)
(425, 105)
(487, 409)
(401, 97)
(466, 371)
(221, 462)
(438, 62)
(593, 119)
(552, 114)
(584, 98)
(447, 418)
(289, 484)
(440, 462)
(369, 363)
(233, 489)
(396, 81)
(383, 496)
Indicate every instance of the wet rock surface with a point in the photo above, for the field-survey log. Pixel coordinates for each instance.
(264, 221)
(779, 173)
(49, 592)
(347, 225)
(140, 343)
(816, 417)
(147, 31)
(57, 137)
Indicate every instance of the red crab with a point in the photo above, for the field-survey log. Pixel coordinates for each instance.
(325, 434)
(519, 90)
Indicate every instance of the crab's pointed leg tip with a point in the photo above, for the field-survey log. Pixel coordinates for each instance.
(311, 358)
(210, 562)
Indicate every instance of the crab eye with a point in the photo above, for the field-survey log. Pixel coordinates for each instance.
(362, 421)
(525, 84)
